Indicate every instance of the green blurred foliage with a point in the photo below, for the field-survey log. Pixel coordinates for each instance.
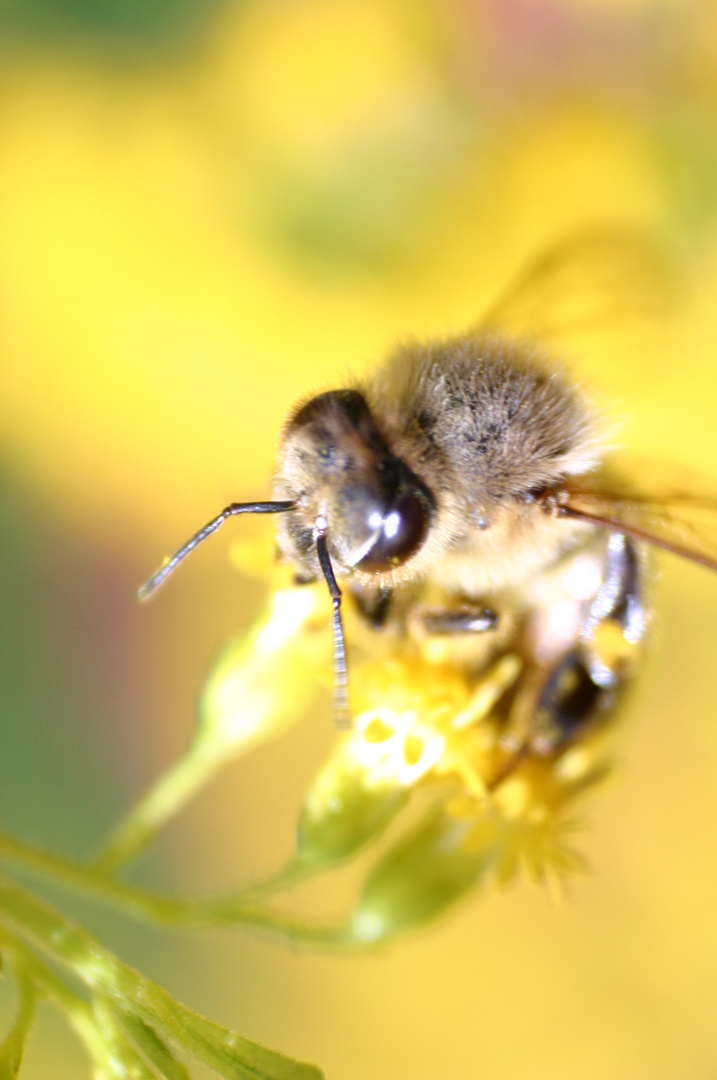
(117, 26)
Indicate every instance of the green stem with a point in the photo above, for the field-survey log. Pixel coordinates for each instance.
(163, 800)
(225, 909)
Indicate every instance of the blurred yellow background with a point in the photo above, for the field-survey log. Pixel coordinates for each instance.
(206, 211)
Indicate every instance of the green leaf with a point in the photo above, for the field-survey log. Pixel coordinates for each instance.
(12, 1049)
(231, 1055)
(113, 1054)
(151, 1046)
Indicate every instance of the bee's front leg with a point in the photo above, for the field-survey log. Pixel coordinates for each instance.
(381, 606)
(466, 619)
(463, 634)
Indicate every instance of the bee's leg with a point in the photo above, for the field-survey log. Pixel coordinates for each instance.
(463, 620)
(555, 704)
(617, 621)
(303, 577)
(465, 636)
(374, 604)
(570, 700)
(550, 709)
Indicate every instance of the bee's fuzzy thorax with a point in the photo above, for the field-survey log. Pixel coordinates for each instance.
(494, 416)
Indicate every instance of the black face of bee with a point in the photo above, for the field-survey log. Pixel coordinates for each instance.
(376, 512)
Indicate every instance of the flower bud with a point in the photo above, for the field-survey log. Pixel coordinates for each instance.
(365, 783)
(341, 812)
(261, 683)
(421, 876)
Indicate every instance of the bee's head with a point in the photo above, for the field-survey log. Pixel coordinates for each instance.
(336, 466)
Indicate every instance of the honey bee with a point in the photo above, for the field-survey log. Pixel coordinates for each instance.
(460, 496)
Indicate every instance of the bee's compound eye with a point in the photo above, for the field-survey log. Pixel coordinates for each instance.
(400, 531)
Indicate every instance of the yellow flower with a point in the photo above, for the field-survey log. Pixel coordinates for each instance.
(493, 808)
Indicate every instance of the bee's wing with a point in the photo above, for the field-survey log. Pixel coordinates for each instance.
(683, 522)
(592, 281)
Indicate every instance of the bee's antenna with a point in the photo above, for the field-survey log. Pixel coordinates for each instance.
(159, 576)
(342, 716)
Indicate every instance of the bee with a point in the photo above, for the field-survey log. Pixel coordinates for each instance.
(461, 497)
